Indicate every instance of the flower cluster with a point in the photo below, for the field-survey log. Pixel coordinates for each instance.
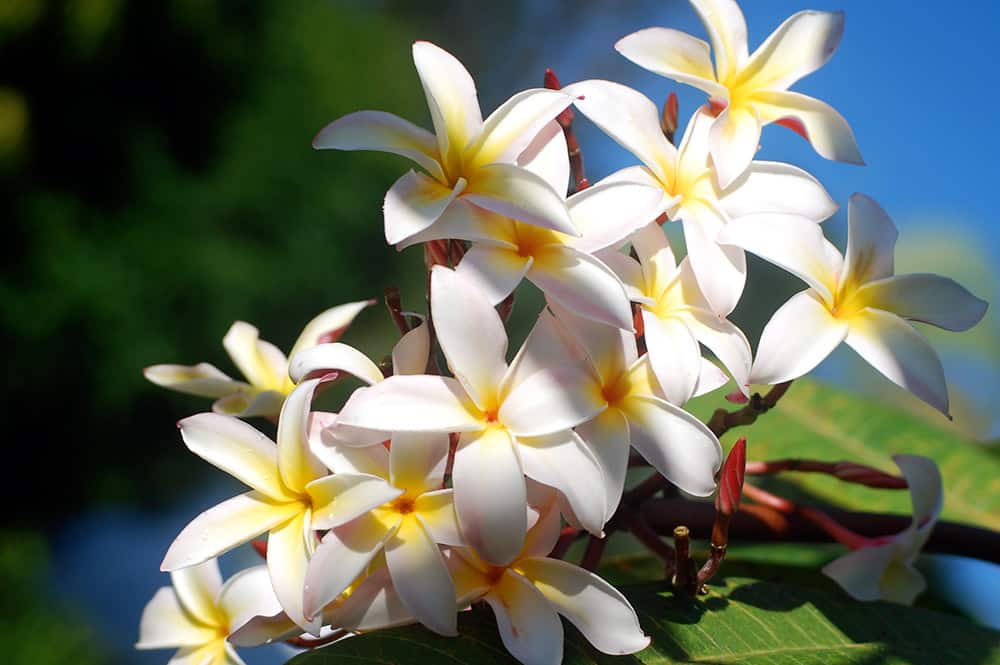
(437, 487)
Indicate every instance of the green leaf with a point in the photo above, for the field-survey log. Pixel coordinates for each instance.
(819, 422)
(745, 621)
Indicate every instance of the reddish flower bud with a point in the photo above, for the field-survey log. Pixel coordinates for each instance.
(727, 501)
(668, 120)
(737, 397)
(260, 547)
(552, 83)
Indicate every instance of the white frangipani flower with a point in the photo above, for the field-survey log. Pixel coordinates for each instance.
(263, 365)
(512, 423)
(751, 90)
(676, 317)
(466, 158)
(690, 193)
(854, 299)
(529, 593)
(885, 571)
(198, 613)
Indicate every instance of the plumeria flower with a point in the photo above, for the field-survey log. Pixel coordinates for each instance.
(690, 193)
(466, 158)
(263, 365)
(885, 571)
(676, 317)
(198, 613)
(529, 593)
(630, 408)
(855, 299)
(751, 90)
(512, 423)
(292, 495)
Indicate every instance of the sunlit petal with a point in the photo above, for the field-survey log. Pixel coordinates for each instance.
(203, 379)
(674, 54)
(198, 587)
(727, 30)
(415, 202)
(297, 464)
(549, 401)
(165, 624)
(607, 213)
(826, 130)
(607, 437)
(495, 271)
(343, 497)
(734, 138)
(674, 356)
(336, 357)
(287, 561)
(417, 461)
(798, 47)
(451, 97)
(721, 270)
(412, 351)
(420, 577)
(515, 124)
(247, 594)
(773, 187)
(529, 627)
(583, 284)
(436, 511)
(522, 195)
(411, 403)
(932, 299)
(262, 363)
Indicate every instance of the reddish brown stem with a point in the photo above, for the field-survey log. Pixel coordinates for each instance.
(837, 531)
(565, 120)
(394, 304)
(848, 472)
(566, 539)
(592, 555)
(722, 421)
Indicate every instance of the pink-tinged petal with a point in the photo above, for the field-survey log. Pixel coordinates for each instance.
(725, 340)
(529, 627)
(262, 363)
(674, 54)
(792, 243)
(871, 242)
(490, 497)
(510, 129)
(464, 221)
(901, 354)
(800, 46)
(436, 511)
(287, 562)
(165, 624)
(548, 156)
(773, 187)
(197, 588)
(607, 437)
(247, 404)
(203, 379)
(340, 558)
(544, 509)
(673, 355)
(596, 608)
(674, 442)
(721, 270)
(631, 119)
(412, 351)
(562, 461)
(923, 478)
(451, 97)
(238, 449)
(411, 404)
(607, 213)
(583, 284)
(373, 605)
(247, 594)
(926, 298)
(727, 29)
(859, 573)
(385, 132)
(734, 138)
(471, 334)
(417, 461)
(611, 350)
(520, 194)
(337, 357)
(329, 325)
(414, 203)
(225, 526)
(799, 336)
(711, 378)
(496, 271)
(343, 497)
(549, 401)
(297, 464)
(421, 578)
(817, 121)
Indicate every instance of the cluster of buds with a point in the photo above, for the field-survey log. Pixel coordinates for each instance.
(435, 488)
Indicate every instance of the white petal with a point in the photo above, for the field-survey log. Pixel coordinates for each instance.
(901, 583)
(436, 511)
(515, 124)
(247, 594)
(328, 326)
(631, 119)
(932, 299)
(596, 608)
(901, 354)
(264, 629)
(336, 357)
(343, 497)
(923, 478)
(721, 270)
(411, 404)
(822, 126)
(629, 272)
(607, 437)
(562, 461)
(262, 363)
(779, 188)
(799, 46)
(373, 605)
(711, 378)
(470, 332)
(413, 203)
(369, 458)
(549, 344)
(656, 258)
(520, 194)
(225, 526)
(674, 54)
(297, 464)
(607, 213)
(377, 130)
(529, 627)
(417, 461)
(495, 271)
(203, 379)
(796, 339)
(734, 138)
(583, 284)
(725, 340)
(412, 351)
(544, 533)
(677, 444)
(695, 148)
(421, 578)
(165, 624)
(287, 561)
(238, 449)
(611, 350)
(212, 653)
(673, 355)
(490, 496)
(340, 558)
(548, 156)
(859, 572)
(871, 242)
(549, 401)
(197, 588)
(728, 31)
(247, 404)
(451, 96)
(464, 221)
